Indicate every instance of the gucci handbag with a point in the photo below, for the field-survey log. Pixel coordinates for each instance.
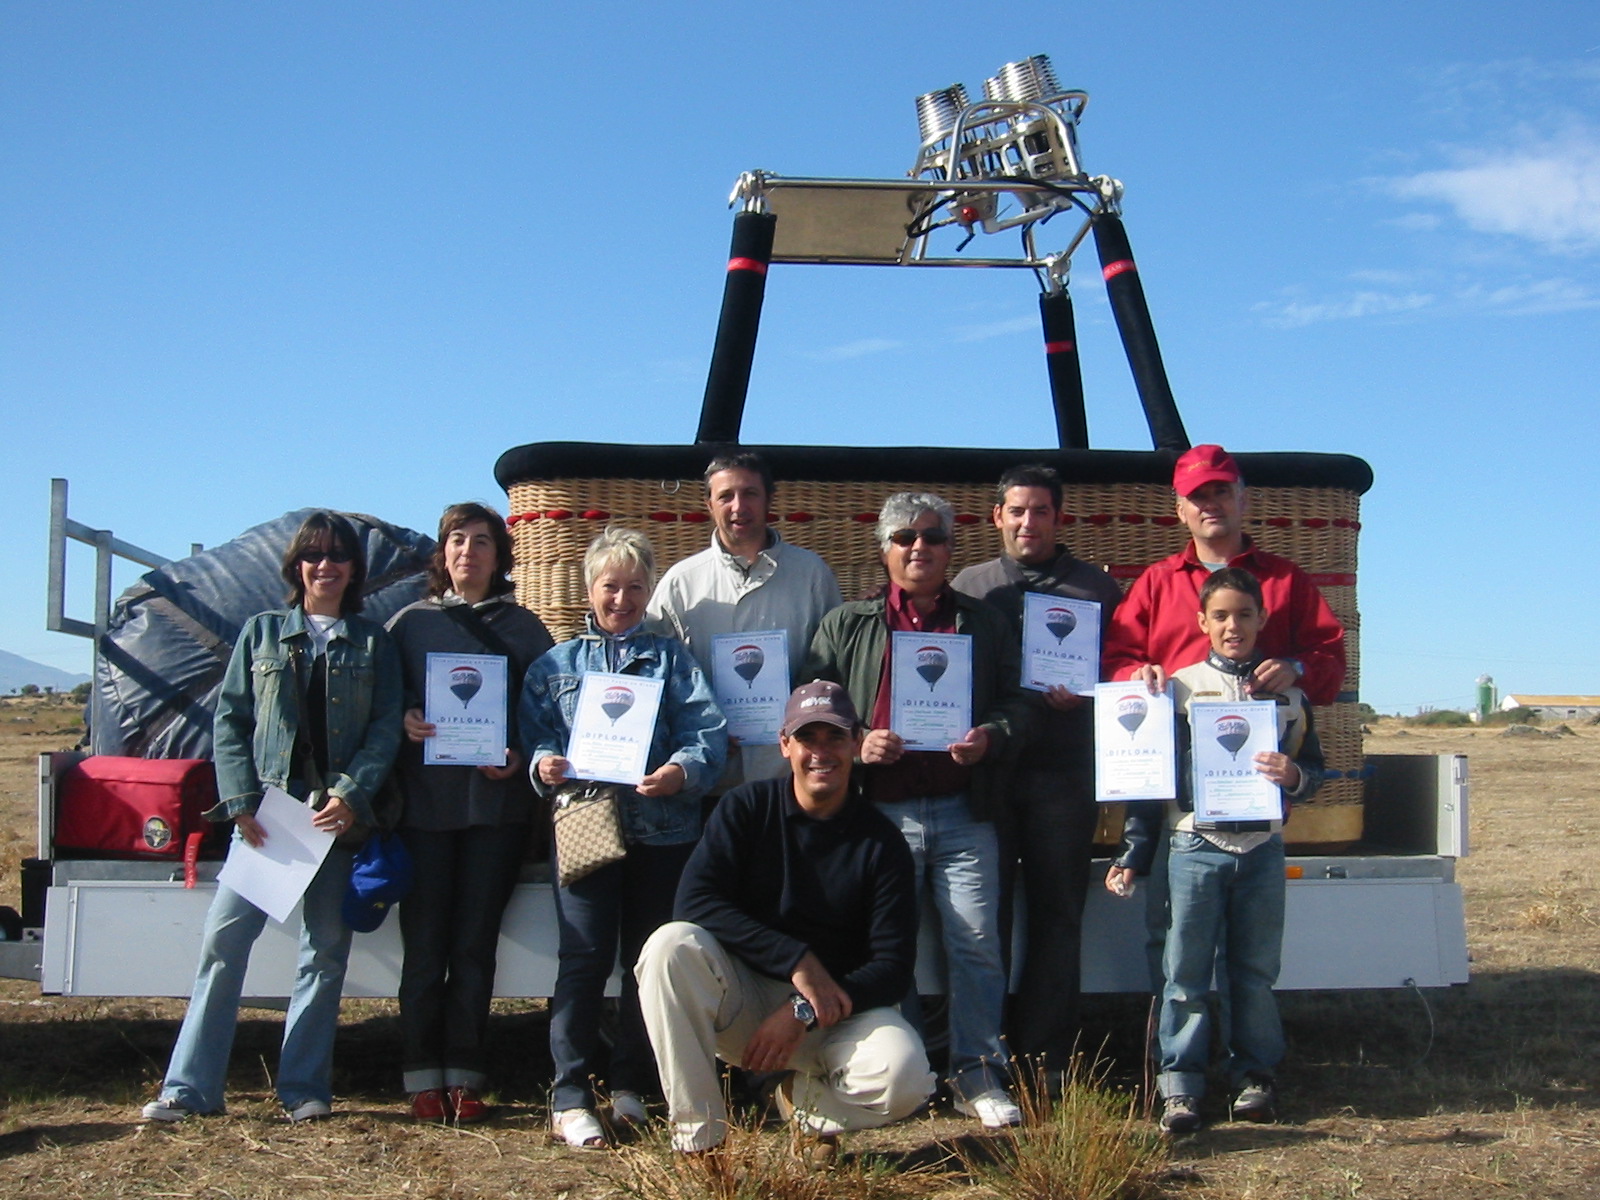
(588, 829)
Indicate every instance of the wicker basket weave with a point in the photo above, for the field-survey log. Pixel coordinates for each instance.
(1123, 526)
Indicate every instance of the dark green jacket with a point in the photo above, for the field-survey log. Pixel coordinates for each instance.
(848, 649)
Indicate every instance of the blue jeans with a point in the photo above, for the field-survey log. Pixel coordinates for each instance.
(616, 907)
(1235, 900)
(450, 923)
(958, 858)
(199, 1068)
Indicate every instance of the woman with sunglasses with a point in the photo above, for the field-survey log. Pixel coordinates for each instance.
(310, 703)
(469, 829)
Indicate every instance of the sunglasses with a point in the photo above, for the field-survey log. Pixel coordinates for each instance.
(337, 555)
(930, 537)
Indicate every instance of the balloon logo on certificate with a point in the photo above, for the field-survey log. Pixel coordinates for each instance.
(615, 702)
(1060, 622)
(747, 663)
(1232, 732)
(465, 683)
(932, 663)
(1131, 712)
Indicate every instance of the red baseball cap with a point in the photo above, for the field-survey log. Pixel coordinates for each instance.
(1201, 465)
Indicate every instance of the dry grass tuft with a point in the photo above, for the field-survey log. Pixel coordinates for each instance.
(1557, 908)
(1087, 1144)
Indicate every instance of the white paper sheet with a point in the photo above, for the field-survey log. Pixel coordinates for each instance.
(1227, 738)
(466, 704)
(1060, 643)
(930, 688)
(613, 727)
(750, 675)
(274, 875)
(1134, 756)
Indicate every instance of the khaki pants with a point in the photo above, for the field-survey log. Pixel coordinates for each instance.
(701, 1003)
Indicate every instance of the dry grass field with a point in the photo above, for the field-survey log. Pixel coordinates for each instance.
(1485, 1090)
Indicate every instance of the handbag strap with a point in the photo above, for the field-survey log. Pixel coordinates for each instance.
(472, 621)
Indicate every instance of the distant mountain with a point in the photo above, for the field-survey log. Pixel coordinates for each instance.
(16, 671)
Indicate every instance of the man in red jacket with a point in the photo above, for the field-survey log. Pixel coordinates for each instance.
(1153, 631)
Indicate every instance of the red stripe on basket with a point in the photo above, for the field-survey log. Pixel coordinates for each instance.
(800, 518)
(1060, 347)
(747, 264)
(1100, 519)
(558, 514)
(695, 518)
(1111, 270)
(1164, 521)
(596, 514)
(662, 515)
(1333, 579)
(1132, 518)
(1123, 572)
(865, 518)
(967, 519)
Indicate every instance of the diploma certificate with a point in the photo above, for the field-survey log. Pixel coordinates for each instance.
(1134, 757)
(1060, 643)
(465, 703)
(1227, 738)
(750, 675)
(930, 688)
(613, 727)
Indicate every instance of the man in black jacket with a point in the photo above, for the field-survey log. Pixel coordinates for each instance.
(796, 934)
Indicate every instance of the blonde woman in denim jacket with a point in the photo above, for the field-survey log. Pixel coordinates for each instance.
(320, 676)
(625, 901)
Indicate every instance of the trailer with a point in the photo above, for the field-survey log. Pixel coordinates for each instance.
(1373, 900)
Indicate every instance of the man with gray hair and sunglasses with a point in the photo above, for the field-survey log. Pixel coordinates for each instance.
(943, 800)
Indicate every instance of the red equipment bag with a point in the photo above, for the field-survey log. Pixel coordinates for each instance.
(110, 807)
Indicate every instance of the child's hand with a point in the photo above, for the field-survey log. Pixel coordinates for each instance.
(1279, 768)
(1119, 881)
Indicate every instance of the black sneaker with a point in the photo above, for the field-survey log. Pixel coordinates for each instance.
(1180, 1114)
(1257, 1100)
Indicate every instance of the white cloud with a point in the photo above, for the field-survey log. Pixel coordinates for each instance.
(859, 348)
(1547, 192)
(994, 329)
(1541, 296)
(1293, 314)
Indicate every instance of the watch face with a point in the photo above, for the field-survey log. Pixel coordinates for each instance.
(803, 1012)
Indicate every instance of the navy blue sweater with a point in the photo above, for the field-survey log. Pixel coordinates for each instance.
(770, 883)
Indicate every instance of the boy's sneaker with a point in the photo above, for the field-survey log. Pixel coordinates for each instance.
(1180, 1114)
(1257, 1100)
(166, 1110)
(308, 1110)
(993, 1108)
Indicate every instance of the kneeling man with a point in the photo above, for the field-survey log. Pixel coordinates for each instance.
(796, 934)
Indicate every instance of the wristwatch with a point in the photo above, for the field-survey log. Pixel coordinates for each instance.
(803, 1012)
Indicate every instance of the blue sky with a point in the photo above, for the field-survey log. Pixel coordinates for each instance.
(254, 257)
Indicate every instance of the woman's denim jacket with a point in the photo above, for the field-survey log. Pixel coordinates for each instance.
(258, 711)
(690, 729)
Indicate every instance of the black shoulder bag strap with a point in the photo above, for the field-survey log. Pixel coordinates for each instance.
(470, 619)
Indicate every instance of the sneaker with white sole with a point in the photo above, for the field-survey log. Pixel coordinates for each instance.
(1257, 1100)
(994, 1108)
(308, 1110)
(166, 1110)
(1180, 1114)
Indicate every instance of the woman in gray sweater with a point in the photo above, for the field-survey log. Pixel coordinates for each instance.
(469, 829)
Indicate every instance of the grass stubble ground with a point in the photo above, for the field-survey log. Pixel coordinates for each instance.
(1484, 1090)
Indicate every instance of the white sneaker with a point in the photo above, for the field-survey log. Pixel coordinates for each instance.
(165, 1110)
(994, 1108)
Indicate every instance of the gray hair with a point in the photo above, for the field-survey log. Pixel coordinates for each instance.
(618, 546)
(903, 508)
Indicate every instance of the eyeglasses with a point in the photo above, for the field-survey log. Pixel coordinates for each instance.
(930, 537)
(338, 555)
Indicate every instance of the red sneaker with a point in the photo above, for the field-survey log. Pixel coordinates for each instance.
(430, 1106)
(468, 1105)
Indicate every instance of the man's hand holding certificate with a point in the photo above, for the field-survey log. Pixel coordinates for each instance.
(1227, 785)
(613, 727)
(466, 705)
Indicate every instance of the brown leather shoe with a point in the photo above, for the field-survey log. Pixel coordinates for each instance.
(430, 1106)
(467, 1105)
